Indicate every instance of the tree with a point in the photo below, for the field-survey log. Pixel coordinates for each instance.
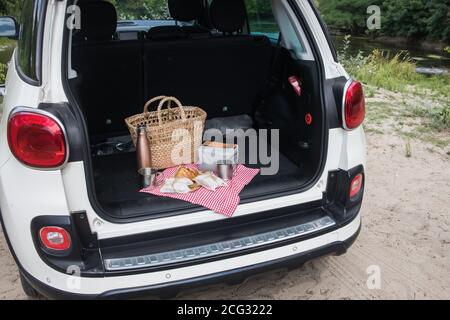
(416, 19)
(259, 9)
(141, 9)
(348, 15)
(11, 7)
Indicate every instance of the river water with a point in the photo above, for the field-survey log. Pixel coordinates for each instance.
(423, 58)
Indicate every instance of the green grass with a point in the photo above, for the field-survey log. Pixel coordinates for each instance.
(6, 42)
(440, 117)
(3, 71)
(379, 111)
(5, 47)
(397, 74)
(424, 135)
(437, 118)
(396, 116)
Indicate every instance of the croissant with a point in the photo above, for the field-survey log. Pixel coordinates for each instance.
(185, 172)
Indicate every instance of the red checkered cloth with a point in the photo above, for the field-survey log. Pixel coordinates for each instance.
(224, 200)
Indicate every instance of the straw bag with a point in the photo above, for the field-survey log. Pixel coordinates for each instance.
(174, 134)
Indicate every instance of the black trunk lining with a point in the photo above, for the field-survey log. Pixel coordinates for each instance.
(117, 185)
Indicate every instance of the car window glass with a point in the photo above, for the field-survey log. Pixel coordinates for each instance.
(141, 10)
(261, 19)
(28, 45)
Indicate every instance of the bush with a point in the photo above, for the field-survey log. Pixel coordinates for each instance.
(397, 73)
(394, 73)
(440, 117)
(141, 9)
(3, 71)
(11, 7)
(416, 19)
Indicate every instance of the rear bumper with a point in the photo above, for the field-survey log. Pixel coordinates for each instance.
(52, 275)
(232, 276)
(230, 270)
(172, 288)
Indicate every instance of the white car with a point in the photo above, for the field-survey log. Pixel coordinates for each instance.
(71, 209)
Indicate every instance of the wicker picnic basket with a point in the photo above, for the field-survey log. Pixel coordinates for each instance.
(170, 131)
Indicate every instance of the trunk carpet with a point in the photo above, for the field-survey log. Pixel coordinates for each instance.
(117, 187)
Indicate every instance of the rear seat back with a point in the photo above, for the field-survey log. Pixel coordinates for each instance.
(111, 78)
(222, 74)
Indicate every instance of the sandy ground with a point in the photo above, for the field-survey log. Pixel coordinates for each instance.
(405, 236)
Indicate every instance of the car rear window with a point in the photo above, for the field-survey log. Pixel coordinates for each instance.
(141, 10)
(261, 19)
(30, 38)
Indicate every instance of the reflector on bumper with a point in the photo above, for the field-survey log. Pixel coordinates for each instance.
(219, 248)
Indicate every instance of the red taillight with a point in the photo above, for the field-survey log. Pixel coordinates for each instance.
(354, 106)
(55, 238)
(37, 140)
(356, 185)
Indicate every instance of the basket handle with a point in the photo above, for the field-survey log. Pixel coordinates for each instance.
(170, 100)
(147, 105)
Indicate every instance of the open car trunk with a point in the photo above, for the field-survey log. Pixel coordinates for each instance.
(228, 76)
(117, 183)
